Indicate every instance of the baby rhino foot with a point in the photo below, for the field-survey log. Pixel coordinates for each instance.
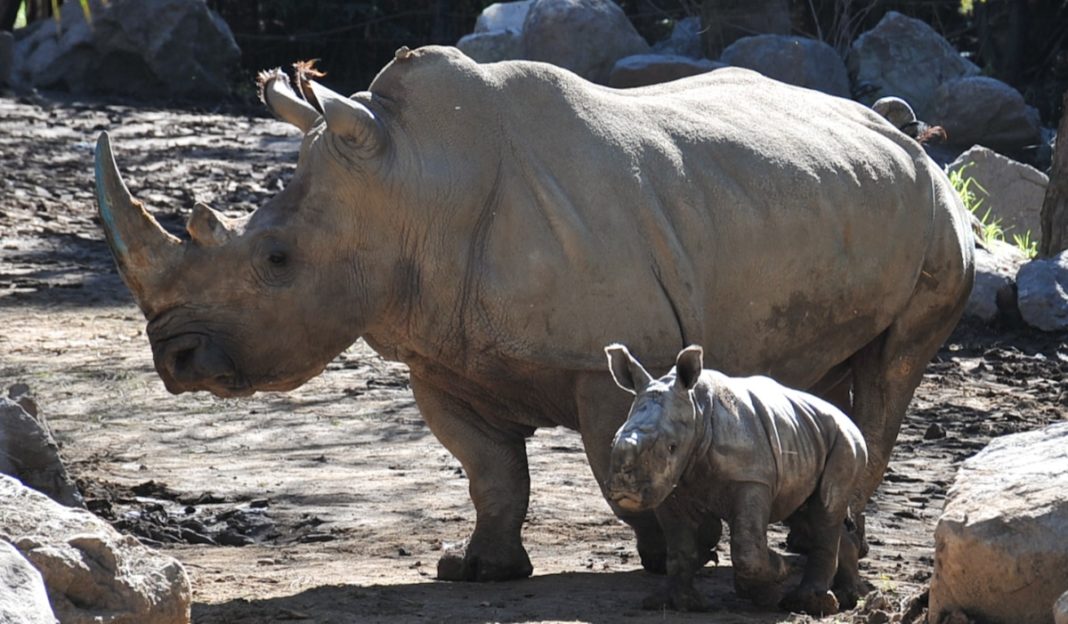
(675, 599)
(811, 602)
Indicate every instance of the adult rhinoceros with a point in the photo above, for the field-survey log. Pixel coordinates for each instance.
(494, 226)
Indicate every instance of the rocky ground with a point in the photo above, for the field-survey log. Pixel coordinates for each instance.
(332, 503)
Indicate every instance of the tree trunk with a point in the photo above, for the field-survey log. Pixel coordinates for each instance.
(1055, 206)
(9, 9)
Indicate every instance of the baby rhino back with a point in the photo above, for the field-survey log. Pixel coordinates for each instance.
(794, 443)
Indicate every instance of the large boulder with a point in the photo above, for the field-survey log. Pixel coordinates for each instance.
(685, 39)
(794, 60)
(585, 36)
(503, 16)
(1001, 544)
(725, 21)
(647, 69)
(1042, 292)
(996, 265)
(904, 57)
(492, 46)
(29, 453)
(92, 572)
(1013, 191)
(23, 599)
(144, 48)
(977, 110)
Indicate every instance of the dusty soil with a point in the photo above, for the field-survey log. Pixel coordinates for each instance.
(332, 503)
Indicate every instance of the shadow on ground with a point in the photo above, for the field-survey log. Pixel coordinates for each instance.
(594, 597)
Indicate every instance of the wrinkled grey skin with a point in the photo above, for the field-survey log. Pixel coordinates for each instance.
(494, 226)
(698, 444)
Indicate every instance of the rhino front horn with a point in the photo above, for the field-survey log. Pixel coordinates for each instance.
(143, 250)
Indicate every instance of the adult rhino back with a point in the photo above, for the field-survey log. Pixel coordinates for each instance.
(494, 226)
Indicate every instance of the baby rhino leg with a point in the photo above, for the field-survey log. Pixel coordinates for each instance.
(813, 595)
(685, 555)
(757, 569)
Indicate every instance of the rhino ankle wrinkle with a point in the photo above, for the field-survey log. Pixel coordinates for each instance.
(439, 166)
(698, 444)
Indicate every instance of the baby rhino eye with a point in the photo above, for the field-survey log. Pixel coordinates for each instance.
(672, 448)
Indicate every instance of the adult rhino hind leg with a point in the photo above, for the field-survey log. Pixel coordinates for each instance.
(835, 388)
(495, 461)
(886, 373)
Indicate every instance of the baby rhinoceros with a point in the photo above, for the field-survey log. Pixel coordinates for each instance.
(700, 445)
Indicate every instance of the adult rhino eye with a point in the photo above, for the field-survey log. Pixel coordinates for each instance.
(277, 258)
(672, 448)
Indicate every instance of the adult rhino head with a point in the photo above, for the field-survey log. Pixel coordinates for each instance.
(266, 301)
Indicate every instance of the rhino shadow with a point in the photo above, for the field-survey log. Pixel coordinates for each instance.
(594, 597)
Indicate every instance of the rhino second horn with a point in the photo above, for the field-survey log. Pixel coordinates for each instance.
(348, 118)
(143, 250)
(284, 103)
(207, 227)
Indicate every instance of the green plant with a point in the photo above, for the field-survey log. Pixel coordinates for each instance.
(1025, 244)
(966, 187)
(967, 7)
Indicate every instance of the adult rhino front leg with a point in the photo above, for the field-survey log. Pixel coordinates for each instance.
(602, 409)
(496, 464)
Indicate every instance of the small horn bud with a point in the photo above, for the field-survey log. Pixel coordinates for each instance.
(207, 227)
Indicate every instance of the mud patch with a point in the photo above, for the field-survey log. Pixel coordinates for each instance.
(158, 515)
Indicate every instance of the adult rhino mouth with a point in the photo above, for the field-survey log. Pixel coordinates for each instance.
(192, 361)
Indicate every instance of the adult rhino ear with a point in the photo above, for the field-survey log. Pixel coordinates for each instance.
(628, 373)
(688, 367)
(348, 118)
(280, 99)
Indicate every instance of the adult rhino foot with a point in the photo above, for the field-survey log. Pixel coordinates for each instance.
(848, 595)
(760, 593)
(485, 565)
(675, 599)
(815, 603)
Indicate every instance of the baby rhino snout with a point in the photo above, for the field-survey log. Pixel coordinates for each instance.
(627, 480)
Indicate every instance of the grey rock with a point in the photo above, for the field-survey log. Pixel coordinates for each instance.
(685, 40)
(725, 21)
(29, 453)
(977, 110)
(23, 598)
(492, 46)
(1013, 191)
(904, 57)
(646, 69)
(503, 16)
(1042, 292)
(584, 36)
(794, 60)
(996, 265)
(146, 48)
(1001, 544)
(1060, 609)
(92, 572)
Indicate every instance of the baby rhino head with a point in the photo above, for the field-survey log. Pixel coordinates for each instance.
(653, 447)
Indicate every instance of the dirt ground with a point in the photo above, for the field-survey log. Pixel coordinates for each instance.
(332, 503)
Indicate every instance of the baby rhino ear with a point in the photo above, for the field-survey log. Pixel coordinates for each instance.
(627, 371)
(688, 367)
